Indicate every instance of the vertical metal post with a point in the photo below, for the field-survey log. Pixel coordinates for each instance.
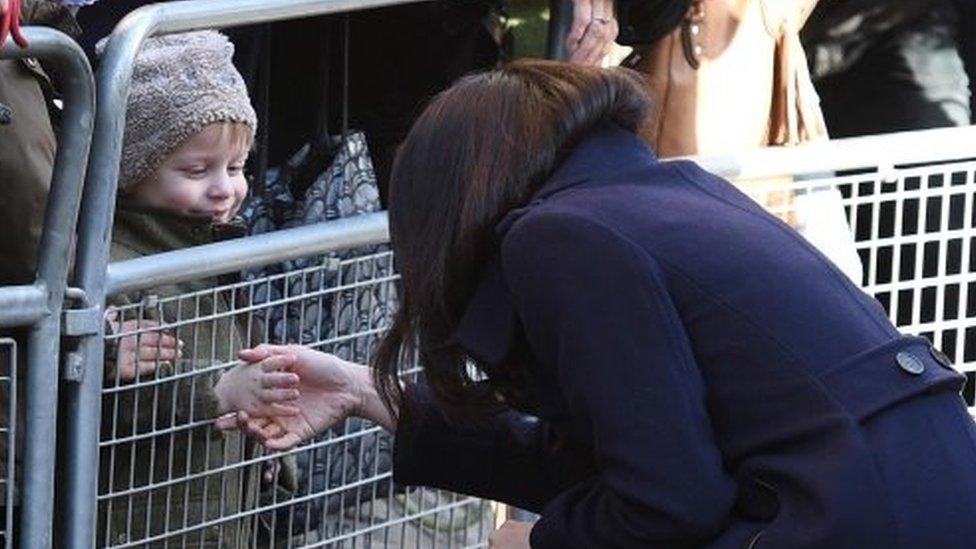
(77, 500)
(74, 77)
(560, 20)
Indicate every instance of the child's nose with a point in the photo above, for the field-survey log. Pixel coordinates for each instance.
(220, 187)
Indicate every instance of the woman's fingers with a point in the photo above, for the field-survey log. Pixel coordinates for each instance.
(278, 395)
(593, 31)
(285, 442)
(611, 33)
(261, 352)
(256, 354)
(276, 363)
(228, 422)
(262, 429)
(280, 409)
(279, 380)
(596, 42)
(582, 13)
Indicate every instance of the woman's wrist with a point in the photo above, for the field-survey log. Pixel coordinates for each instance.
(369, 405)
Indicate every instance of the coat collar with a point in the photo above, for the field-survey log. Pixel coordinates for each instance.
(153, 231)
(489, 326)
(601, 153)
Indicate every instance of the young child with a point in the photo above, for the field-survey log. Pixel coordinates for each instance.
(167, 476)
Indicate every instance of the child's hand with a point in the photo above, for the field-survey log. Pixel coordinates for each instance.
(261, 389)
(140, 354)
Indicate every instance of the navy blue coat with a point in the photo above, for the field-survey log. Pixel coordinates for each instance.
(701, 376)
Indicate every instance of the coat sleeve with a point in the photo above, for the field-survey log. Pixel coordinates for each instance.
(596, 312)
(507, 458)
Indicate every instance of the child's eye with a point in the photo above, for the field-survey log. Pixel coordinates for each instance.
(195, 172)
(235, 170)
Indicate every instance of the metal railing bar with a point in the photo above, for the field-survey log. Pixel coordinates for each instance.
(270, 279)
(878, 151)
(234, 255)
(22, 305)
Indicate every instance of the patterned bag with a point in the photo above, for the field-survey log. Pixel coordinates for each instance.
(346, 188)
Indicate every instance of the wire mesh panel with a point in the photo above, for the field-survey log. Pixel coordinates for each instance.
(8, 438)
(169, 477)
(911, 234)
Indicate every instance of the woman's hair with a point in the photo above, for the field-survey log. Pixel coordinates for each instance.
(481, 148)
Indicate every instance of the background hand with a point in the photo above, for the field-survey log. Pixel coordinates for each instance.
(592, 33)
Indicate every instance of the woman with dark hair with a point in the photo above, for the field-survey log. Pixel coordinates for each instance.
(634, 349)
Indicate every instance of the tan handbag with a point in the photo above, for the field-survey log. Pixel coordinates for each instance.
(732, 76)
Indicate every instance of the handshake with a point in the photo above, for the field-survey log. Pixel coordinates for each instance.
(302, 393)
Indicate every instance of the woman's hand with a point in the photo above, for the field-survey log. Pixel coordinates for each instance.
(593, 31)
(330, 390)
(513, 534)
(141, 353)
(10, 22)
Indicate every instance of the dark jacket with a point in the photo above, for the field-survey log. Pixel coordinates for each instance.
(702, 377)
(138, 422)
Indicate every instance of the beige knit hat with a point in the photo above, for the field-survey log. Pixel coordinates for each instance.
(181, 83)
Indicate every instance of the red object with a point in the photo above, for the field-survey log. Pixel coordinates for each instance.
(10, 24)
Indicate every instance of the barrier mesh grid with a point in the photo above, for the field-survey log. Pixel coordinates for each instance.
(169, 477)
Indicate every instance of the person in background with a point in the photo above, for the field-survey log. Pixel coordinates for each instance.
(887, 65)
(966, 35)
(634, 348)
(189, 128)
(27, 140)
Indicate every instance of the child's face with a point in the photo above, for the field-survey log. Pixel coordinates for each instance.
(204, 177)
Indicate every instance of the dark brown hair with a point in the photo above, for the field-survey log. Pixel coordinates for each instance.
(480, 149)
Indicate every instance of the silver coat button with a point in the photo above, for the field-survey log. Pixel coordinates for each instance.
(910, 363)
(941, 358)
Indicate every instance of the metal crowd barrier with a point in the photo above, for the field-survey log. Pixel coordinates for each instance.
(28, 495)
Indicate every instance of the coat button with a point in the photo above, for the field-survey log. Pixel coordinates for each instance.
(941, 358)
(910, 363)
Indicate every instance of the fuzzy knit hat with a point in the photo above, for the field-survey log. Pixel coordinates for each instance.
(181, 83)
